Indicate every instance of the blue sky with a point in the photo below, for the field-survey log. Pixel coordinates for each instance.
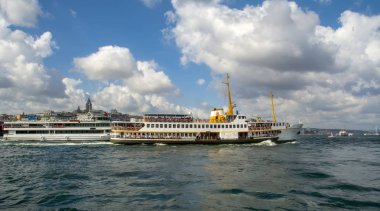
(319, 57)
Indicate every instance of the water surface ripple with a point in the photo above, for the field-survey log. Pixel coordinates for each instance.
(314, 173)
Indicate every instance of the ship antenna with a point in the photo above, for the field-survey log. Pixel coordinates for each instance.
(273, 112)
(230, 105)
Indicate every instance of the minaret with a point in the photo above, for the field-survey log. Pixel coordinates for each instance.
(88, 105)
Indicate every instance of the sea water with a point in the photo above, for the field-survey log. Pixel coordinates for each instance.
(313, 173)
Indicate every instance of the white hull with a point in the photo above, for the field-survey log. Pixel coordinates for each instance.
(57, 137)
(291, 133)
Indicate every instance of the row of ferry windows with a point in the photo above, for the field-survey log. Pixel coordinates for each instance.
(57, 125)
(196, 126)
(61, 131)
(162, 135)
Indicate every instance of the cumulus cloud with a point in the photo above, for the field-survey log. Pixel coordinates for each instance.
(23, 74)
(281, 47)
(117, 63)
(108, 63)
(131, 86)
(19, 12)
(148, 79)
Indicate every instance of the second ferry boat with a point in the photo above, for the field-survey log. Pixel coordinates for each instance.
(86, 127)
(221, 128)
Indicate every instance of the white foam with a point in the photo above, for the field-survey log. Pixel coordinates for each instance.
(268, 143)
(160, 144)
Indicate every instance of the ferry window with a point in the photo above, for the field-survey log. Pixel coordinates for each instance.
(222, 126)
(157, 125)
(203, 126)
(160, 125)
(148, 125)
(152, 125)
(237, 126)
(178, 126)
(218, 126)
(191, 126)
(170, 125)
(234, 126)
(174, 125)
(187, 126)
(207, 126)
(211, 126)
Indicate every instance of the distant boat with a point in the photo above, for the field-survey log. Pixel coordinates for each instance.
(343, 133)
(372, 133)
(331, 135)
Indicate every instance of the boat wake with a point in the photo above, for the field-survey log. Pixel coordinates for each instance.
(267, 143)
(160, 144)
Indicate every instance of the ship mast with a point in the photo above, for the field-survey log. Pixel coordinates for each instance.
(273, 113)
(230, 105)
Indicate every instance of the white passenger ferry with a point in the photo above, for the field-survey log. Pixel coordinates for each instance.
(221, 128)
(87, 127)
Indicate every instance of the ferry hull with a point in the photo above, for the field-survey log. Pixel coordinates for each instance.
(60, 137)
(190, 141)
(290, 134)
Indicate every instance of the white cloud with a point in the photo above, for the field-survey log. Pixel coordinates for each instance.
(130, 86)
(26, 84)
(148, 79)
(278, 46)
(201, 81)
(151, 3)
(19, 12)
(108, 63)
(118, 63)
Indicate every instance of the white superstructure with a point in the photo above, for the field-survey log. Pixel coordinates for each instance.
(221, 127)
(85, 128)
(184, 127)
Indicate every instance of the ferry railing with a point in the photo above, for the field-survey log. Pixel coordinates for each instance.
(125, 128)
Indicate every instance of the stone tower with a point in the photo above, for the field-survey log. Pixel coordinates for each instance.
(88, 105)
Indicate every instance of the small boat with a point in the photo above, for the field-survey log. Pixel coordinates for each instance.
(343, 133)
(375, 133)
(331, 135)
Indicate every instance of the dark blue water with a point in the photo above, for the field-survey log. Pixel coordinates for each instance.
(314, 173)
